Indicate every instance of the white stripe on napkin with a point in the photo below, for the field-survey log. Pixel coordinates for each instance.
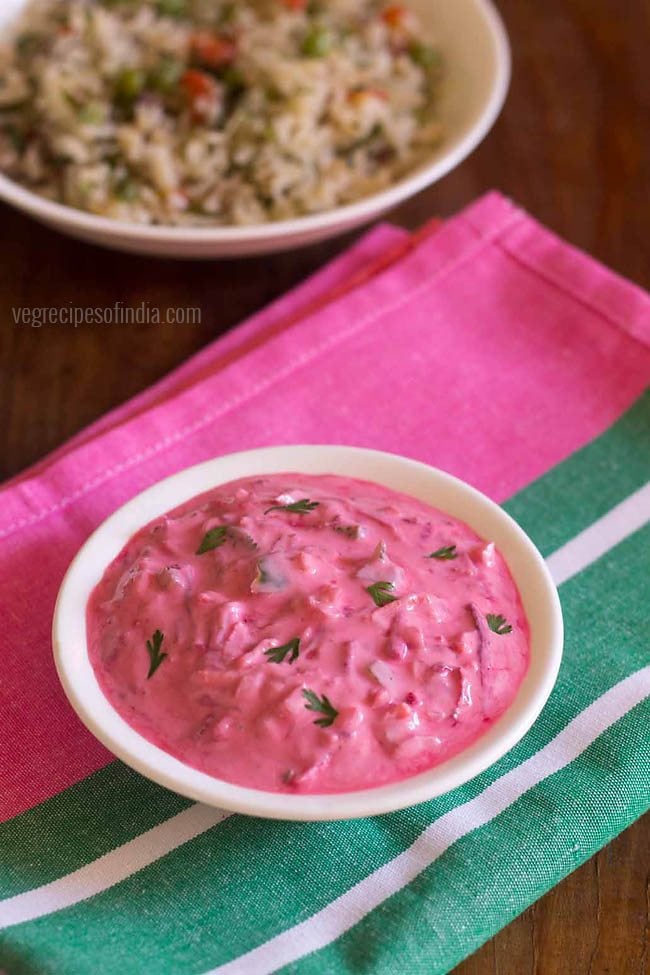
(618, 524)
(111, 868)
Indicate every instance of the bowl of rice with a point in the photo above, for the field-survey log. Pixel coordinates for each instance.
(204, 128)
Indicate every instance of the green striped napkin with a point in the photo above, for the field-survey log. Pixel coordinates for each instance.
(427, 885)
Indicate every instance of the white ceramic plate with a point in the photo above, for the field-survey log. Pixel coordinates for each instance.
(537, 590)
(477, 58)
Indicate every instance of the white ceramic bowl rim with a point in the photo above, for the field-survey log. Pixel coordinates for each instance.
(529, 570)
(347, 216)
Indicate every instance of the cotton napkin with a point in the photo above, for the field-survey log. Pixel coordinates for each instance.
(487, 347)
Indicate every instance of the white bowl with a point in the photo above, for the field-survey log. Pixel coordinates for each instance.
(477, 58)
(529, 570)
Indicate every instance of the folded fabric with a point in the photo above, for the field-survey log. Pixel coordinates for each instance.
(486, 347)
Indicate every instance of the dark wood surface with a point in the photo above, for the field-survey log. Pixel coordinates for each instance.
(573, 147)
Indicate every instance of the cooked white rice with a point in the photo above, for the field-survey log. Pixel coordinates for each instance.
(203, 112)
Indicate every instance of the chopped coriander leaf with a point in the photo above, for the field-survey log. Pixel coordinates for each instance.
(424, 55)
(321, 705)
(172, 8)
(317, 43)
(70, 100)
(375, 132)
(155, 656)
(126, 190)
(128, 85)
(213, 539)
(237, 536)
(16, 137)
(227, 13)
(351, 531)
(297, 507)
(272, 94)
(29, 43)
(233, 79)
(91, 114)
(166, 74)
(381, 593)
(444, 553)
(277, 655)
(498, 624)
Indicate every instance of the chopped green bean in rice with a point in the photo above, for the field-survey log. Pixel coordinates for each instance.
(205, 112)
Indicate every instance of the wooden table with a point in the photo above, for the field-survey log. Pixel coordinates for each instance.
(573, 147)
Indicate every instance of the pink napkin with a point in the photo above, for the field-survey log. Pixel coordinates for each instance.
(488, 348)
